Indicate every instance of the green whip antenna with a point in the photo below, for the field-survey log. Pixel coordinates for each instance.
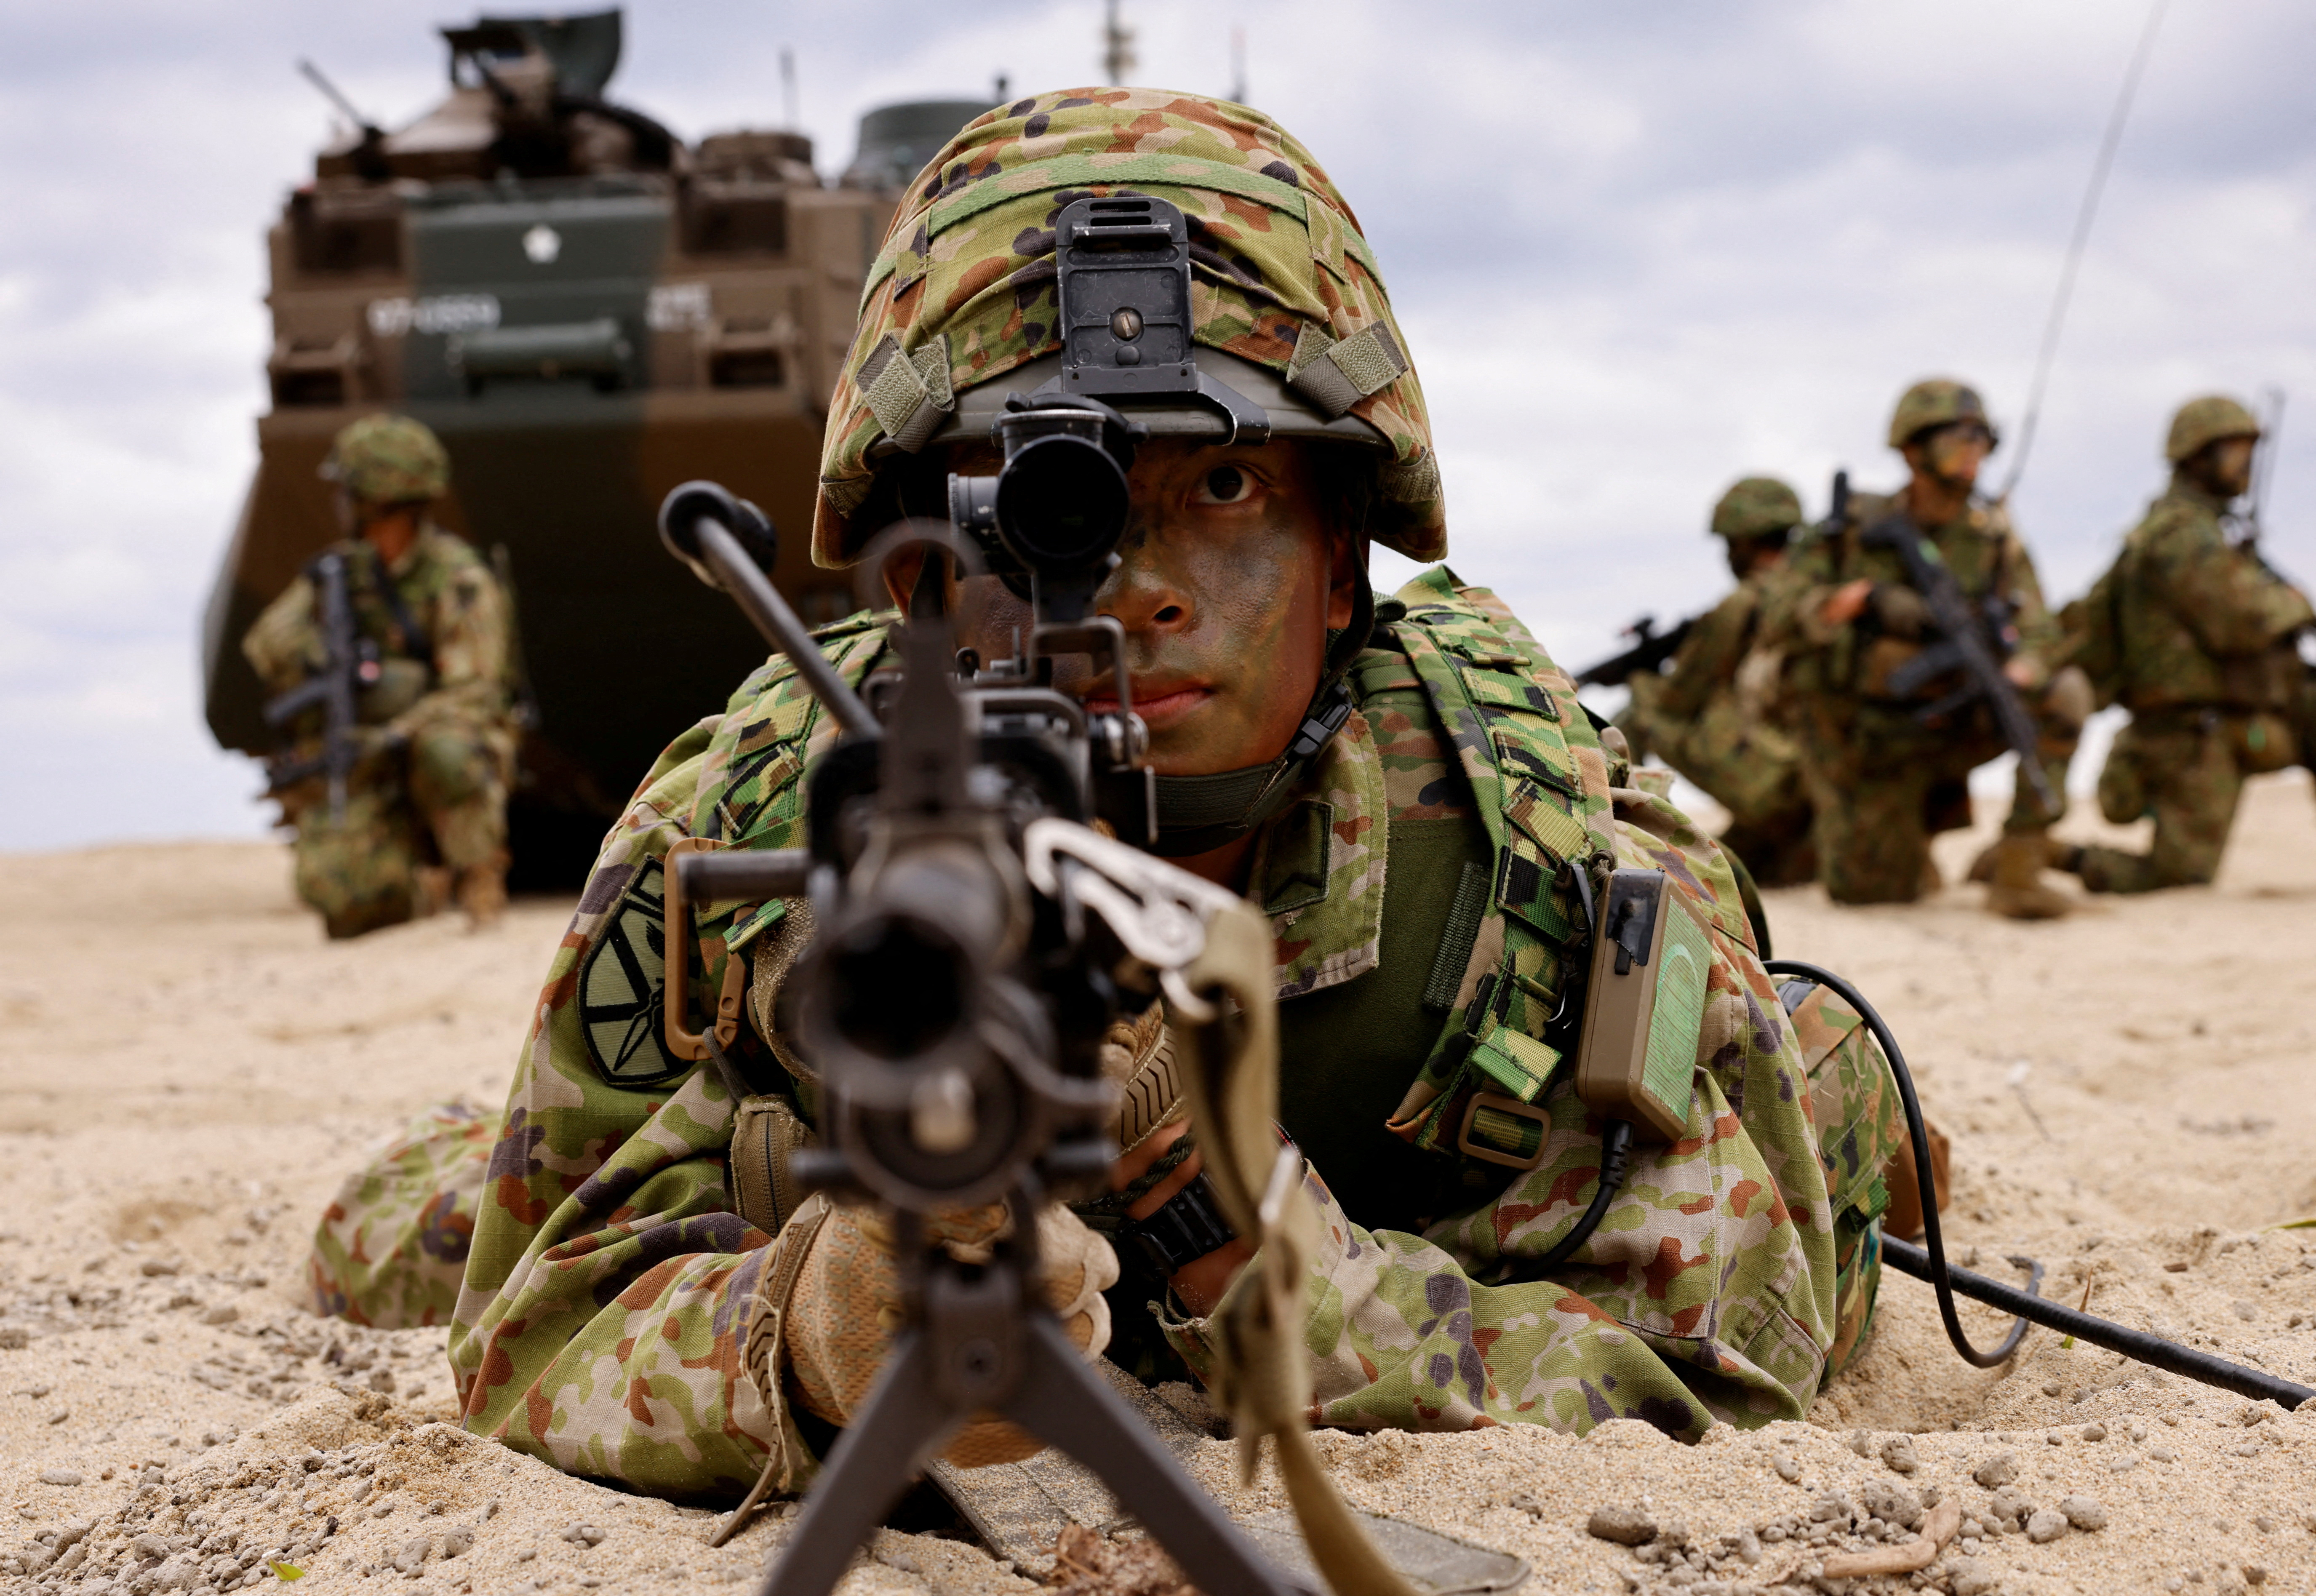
(2100, 167)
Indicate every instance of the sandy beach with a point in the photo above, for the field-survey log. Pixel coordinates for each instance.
(187, 1069)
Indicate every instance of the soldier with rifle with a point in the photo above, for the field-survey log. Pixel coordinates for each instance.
(389, 663)
(2193, 633)
(1919, 648)
(1511, 1226)
(1714, 715)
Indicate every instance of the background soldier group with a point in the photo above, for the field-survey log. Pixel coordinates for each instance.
(1791, 702)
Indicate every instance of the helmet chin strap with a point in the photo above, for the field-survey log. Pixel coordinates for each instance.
(1199, 814)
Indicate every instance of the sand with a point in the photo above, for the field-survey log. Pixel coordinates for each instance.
(187, 1069)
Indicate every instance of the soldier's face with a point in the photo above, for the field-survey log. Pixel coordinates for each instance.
(1953, 454)
(1230, 573)
(2229, 470)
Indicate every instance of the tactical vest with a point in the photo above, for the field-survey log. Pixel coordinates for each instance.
(1540, 780)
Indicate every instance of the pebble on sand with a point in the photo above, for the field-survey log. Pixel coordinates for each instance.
(1626, 1526)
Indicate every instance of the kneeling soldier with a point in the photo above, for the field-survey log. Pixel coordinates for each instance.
(422, 796)
(1716, 715)
(2193, 633)
(1408, 788)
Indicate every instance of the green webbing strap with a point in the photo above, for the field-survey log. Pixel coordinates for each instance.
(1455, 942)
(1336, 376)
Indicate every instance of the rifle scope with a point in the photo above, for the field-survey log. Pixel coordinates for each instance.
(1055, 511)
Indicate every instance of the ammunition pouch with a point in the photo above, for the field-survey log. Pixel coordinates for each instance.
(766, 1132)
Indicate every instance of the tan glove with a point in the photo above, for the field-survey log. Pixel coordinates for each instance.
(845, 1307)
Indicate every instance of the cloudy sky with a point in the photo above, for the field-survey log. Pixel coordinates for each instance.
(1639, 250)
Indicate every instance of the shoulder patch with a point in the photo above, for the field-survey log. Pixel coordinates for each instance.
(623, 991)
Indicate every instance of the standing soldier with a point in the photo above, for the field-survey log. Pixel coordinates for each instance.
(1888, 757)
(2193, 633)
(1714, 716)
(421, 816)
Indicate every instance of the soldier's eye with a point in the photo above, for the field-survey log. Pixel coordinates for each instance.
(1226, 484)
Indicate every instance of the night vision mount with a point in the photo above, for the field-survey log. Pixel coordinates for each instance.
(1049, 522)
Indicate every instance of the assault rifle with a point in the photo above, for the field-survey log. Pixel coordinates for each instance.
(350, 665)
(974, 940)
(1963, 646)
(1649, 650)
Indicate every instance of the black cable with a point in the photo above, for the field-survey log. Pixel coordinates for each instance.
(2138, 1344)
(1939, 1277)
(1615, 1149)
(1928, 1262)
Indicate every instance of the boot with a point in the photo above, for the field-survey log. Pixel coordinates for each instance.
(435, 888)
(2017, 891)
(482, 892)
(2056, 855)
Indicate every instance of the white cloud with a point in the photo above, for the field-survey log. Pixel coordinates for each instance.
(1639, 252)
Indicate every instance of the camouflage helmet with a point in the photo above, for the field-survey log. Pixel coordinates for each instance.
(1287, 304)
(388, 459)
(1755, 507)
(1936, 402)
(2207, 420)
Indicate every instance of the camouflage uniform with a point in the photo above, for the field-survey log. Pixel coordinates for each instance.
(1882, 782)
(2201, 635)
(1714, 717)
(603, 1323)
(431, 787)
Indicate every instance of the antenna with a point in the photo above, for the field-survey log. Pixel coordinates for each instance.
(1003, 85)
(314, 74)
(1117, 58)
(1238, 64)
(2263, 462)
(788, 86)
(2083, 218)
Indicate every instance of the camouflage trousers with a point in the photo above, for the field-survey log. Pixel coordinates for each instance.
(1882, 784)
(390, 1250)
(439, 798)
(2185, 771)
(1750, 768)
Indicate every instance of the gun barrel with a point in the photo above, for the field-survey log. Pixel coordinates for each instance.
(314, 75)
(745, 874)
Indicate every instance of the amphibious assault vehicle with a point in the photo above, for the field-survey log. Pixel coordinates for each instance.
(588, 311)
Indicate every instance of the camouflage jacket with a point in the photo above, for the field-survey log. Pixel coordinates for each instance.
(1854, 659)
(1716, 716)
(2198, 619)
(447, 594)
(602, 1318)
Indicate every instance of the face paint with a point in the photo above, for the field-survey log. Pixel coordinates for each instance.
(1955, 453)
(1224, 588)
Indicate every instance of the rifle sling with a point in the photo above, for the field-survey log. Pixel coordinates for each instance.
(415, 643)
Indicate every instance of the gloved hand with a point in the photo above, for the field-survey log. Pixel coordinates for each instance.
(1900, 610)
(845, 1306)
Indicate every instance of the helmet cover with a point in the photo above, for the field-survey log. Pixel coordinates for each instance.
(1936, 402)
(2207, 420)
(388, 459)
(1755, 507)
(964, 290)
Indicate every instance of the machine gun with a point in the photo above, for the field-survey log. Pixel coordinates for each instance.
(975, 939)
(1962, 646)
(351, 663)
(1649, 650)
